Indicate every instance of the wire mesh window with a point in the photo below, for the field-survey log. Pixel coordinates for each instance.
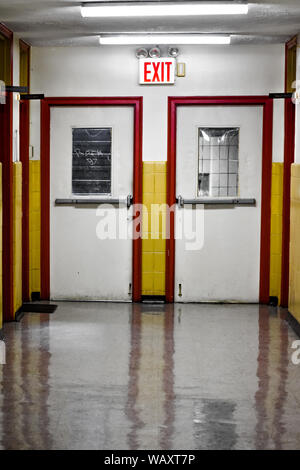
(91, 168)
(218, 162)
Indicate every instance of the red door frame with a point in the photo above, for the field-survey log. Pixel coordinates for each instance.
(7, 190)
(267, 105)
(24, 120)
(289, 155)
(46, 105)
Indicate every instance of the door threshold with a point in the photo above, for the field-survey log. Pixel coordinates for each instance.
(153, 299)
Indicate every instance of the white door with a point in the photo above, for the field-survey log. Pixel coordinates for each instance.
(219, 155)
(91, 153)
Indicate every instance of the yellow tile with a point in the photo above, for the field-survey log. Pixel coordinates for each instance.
(148, 200)
(35, 280)
(153, 249)
(158, 218)
(159, 282)
(159, 262)
(276, 223)
(34, 240)
(147, 262)
(275, 264)
(34, 220)
(159, 246)
(160, 182)
(275, 168)
(34, 201)
(155, 235)
(35, 259)
(148, 167)
(276, 205)
(295, 188)
(274, 285)
(296, 170)
(160, 167)
(276, 244)
(148, 183)
(276, 185)
(147, 282)
(160, 198)
(147, 244)
(34, 182)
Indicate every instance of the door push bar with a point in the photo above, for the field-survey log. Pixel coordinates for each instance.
(73, 202)
(215, 202)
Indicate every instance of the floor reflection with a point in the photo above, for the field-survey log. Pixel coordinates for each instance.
(24, 386)
(150, 405)
(144, 376)
(272, 373)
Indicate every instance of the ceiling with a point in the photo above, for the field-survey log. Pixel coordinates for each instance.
(59, 22)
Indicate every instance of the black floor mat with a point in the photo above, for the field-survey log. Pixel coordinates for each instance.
(37, 307)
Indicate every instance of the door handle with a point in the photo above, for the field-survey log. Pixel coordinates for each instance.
(215, 201)
(95, 201)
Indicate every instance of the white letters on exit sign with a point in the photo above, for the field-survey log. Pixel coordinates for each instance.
(157, 71)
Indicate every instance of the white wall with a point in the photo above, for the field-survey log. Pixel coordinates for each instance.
(113, 71)
(16, 82)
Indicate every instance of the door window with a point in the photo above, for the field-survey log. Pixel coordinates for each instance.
(218, 162)
(91, 167)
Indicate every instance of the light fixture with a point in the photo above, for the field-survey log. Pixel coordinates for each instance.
(173, 52)
(162, 9)
(145, 39)
(141, 53)
(154, 53)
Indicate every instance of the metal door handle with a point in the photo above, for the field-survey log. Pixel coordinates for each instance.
(217, 201)
(95, 201)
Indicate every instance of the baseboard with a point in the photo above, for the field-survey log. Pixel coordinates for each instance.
(19, 314)
(35, 296)
(294, 324)
(273, 301)
(154, 298)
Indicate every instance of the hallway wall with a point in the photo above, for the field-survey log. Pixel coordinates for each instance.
(276, 230)
(34, 226)
(17, 222)
(1, 242)
(294, 291)
(113, 71)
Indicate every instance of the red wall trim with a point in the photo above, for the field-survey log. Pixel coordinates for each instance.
(289, 153)
(267, 104)
(24, 158)
(289, 45)
(27, 48)
(46, 104)
(266, 189)
(5, 31)
(7, 188)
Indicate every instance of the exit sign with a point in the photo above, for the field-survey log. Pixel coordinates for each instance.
(157, 71)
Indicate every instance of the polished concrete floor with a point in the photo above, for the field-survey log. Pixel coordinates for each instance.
(122, 376)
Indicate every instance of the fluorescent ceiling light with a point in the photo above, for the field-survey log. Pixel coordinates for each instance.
(161, 9)
(163, 39)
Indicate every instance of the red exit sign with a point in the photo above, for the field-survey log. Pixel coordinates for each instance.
(157, 71)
